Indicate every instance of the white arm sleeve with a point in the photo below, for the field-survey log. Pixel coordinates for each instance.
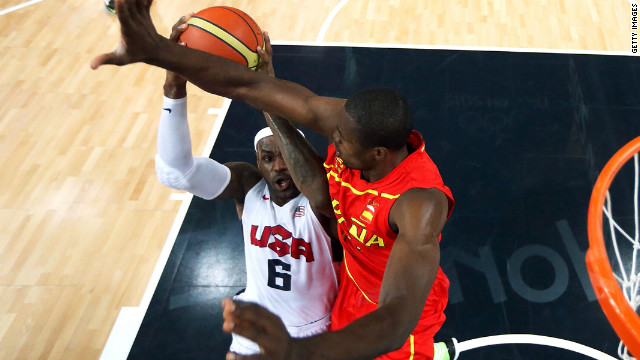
(175, 165)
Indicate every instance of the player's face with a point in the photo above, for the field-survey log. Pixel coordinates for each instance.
(275, 171)
(354, 155)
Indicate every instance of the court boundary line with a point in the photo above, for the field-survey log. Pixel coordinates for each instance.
(120, 339)
(129, 319)
(182, 212)
(327, 22)
(531, 339)
(457, 48)
(18, 7)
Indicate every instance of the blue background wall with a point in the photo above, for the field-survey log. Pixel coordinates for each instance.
(518, 137)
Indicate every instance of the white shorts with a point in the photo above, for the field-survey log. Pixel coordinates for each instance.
(243, 346)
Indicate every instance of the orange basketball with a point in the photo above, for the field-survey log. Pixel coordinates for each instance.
(225, 31)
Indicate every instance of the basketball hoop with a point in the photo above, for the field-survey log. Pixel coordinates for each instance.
(617, 292)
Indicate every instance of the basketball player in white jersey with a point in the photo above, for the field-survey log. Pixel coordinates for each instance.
(288, 252)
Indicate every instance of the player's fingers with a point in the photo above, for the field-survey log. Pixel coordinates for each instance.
(226, 302)
(229, 322)
(252, 332)
(144, 10)
(177, 30)
(264, 57)
(133, 11)
(265, 53)
(267, 43)
(228, 315)
(266, 49)
(140, 6)
(123, 11)
(255, 321)
(252, 312)
(247, 319)
(227, 306)
(102, 59)
(234, 356)
(182, 21)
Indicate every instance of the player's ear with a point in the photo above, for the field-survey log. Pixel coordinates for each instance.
(380, 153)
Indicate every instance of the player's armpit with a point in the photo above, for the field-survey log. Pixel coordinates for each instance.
(244, 176)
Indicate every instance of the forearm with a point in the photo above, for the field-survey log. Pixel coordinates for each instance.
(223, 77)
(209, 72)
(303, 162)
(229, 79)
(175, 165)
(174, 140)
(407, 282)
(370, 336)
(172, 89)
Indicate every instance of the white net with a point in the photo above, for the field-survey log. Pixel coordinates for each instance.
(625, 244)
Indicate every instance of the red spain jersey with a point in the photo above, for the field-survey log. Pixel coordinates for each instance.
(362, 209)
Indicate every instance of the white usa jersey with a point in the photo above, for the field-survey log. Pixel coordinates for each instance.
(289, 265)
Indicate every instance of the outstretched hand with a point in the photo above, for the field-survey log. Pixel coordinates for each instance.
(138, 34)
(266, 65)
(259, 325)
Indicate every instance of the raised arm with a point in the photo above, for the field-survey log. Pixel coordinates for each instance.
(306, 168)
(419, 215)
(303, 161)
(140, 42)
(176, 167)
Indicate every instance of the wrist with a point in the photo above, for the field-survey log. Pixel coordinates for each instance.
(174, 91)
(180, 102)
(155, 52)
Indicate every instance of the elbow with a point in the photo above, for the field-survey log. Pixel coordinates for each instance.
(244, 89)
(398, 340)
(403, 327)
(394, 342)
(169, 176)
(173, 182)
(239, 93)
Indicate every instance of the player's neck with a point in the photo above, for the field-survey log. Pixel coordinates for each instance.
(281, 199)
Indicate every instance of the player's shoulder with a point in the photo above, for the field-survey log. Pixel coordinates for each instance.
(417, 199)
(241, 167)
(243, 175)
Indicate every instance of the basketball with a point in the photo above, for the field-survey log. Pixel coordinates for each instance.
(225, 31)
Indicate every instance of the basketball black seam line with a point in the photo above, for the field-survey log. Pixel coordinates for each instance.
(221, 28)
(218, 37)
(243, 19)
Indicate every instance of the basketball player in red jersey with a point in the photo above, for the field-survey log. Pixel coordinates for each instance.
(387, 195)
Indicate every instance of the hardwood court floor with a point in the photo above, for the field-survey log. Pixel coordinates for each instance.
(82, 216)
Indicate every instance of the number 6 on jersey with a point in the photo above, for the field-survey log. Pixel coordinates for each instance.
(279, 280)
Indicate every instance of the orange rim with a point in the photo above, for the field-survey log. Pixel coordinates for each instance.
(623, 318)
